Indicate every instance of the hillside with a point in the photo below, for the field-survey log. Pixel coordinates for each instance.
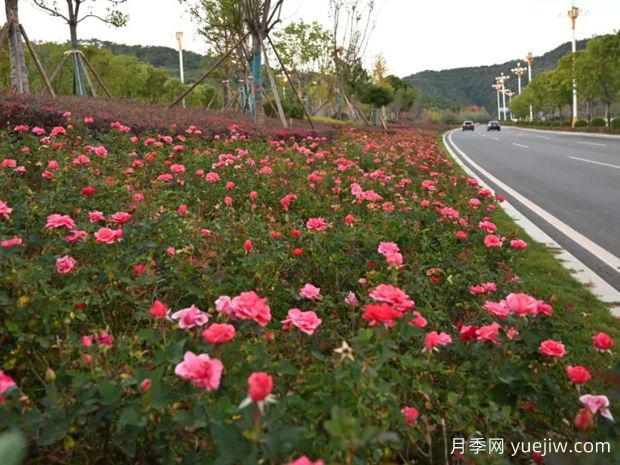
(472, 85)
(161, 57)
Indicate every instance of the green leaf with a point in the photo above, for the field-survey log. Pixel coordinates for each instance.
(109, 392)
(230, 444)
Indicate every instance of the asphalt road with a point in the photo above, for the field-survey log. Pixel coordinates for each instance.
(574, 178)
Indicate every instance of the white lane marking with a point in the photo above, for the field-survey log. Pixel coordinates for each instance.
(521, 145)
(602, 254)
(599, 287)
(543, 137)
(596, 162)
(495, 138)
(592, 143)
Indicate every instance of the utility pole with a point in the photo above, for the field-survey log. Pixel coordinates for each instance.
(529, 59)
(573, 14)
(182, 75)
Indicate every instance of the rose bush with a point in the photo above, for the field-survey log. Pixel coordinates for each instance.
(221, 299)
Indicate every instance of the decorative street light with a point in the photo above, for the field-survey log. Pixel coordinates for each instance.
(501, 80)
(497, 88)
(529, 58)
(573, 14)
(179, 36)
(519, 70)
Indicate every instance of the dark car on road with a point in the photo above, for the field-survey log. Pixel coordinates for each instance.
(493, 126)
(468, 126)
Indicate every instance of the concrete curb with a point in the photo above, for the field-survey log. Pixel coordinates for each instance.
(582, 273)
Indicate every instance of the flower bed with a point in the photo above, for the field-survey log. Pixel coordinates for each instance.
(220, 299)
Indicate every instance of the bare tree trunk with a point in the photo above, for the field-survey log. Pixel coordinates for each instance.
(19, 73)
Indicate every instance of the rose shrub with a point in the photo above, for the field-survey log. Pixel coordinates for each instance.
(221, 299)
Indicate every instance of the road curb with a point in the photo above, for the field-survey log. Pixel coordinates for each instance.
(582, 273)
(566, 133)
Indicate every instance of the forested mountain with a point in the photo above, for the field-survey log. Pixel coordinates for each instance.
(161, 57)
(472, 86)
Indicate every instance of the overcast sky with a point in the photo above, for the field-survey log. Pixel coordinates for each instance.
(412, 35)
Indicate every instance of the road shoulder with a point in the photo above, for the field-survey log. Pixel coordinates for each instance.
(575, 267)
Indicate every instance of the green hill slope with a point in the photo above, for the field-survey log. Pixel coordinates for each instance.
(472, 86)
(162, 57)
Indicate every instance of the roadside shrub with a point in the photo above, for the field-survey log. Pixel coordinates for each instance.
(615, 123)
(598, 122)
(581, 123)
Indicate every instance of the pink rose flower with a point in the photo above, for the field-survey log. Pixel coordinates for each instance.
(108, 236)
(306, 322)
(393, 296)
(56, 221)
(249, 306)
(411, 414)
(6, 384)
(552, 348)
(5, 211)
(95, 216)
(596, 404)
(190, 317)
(203, 371)
(578, 374)
(488, 333)
(602, 341)
(158, 310)
(309, 291)
(394, 259)
(521, 304)
(386, 314)
(224, 305)
(218, 333)
(8, 243)
(65, 265)
(434, 339)
(303, 460)
(418, 320)
(351, 300)
(120, 217)
(317, 224)
(260, 385)
(492, 240)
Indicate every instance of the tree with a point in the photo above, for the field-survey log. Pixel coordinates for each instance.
(405, 95)
(585, 75)
(377, 96)
(379, 70)
(604, 53)
(561, 84)
(234, 21)
(74, 15)
(305, 51)
(349, 43)
(19, 73)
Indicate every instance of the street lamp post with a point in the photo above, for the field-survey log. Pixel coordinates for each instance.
(529, 59)
(573, 14)
(501, 80)
(518, 71)
(509, 93)
(180, 42)
(497, 88)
